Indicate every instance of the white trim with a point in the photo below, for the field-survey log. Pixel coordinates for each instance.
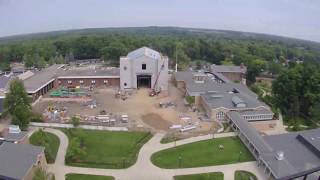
(86, 77)
(34, 91)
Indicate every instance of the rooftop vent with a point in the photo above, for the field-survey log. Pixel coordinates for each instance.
(237, 102)
(280, 155)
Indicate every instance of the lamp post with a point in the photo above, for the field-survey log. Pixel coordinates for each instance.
(239, 156)
(179, 161)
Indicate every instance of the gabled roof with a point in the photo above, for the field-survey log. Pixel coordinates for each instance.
(144, 51)
(18, 158)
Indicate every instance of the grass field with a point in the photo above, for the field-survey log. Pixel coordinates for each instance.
(86, 177)
(244, 175)
(203, 153)
(49, 141)
(106, 149)
(204, 176)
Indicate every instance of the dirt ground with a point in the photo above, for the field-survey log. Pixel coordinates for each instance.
(143, 111)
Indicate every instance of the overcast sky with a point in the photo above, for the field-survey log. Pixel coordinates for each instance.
(293, 18)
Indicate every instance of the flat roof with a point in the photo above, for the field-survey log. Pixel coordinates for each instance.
(18, 158)
(87, 71)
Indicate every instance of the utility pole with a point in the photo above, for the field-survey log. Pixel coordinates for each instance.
(176, 58)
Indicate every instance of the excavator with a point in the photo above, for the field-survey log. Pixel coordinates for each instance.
(153, 91)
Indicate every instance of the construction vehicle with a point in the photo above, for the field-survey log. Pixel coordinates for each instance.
(155, 91)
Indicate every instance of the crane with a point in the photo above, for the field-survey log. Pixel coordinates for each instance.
(153, 91)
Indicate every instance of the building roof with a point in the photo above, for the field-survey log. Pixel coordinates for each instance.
(210, 84)
(13, 137)
(25, 75)
(230, 100)
(301, 150)
(91, 72)
(144, 51)
(41, 78)
(223, 68)
(1, 105)
(18, 158)
(4, 82)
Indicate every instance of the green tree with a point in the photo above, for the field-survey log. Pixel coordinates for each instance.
(75, 151)
(17, 104)
(40, 174)
(75, 121)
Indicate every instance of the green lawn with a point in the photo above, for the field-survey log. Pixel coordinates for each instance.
(203, 153)
(244, 175)
(86, 177)
(105, 149)
(204, 176)
(49, 141)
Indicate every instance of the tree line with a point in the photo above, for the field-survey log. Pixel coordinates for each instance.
(259, 55)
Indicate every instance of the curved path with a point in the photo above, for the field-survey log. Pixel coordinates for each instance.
(143, 169)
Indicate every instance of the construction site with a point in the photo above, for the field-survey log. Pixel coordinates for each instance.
(134, 109)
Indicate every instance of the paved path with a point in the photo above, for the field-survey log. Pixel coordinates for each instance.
(143, 169)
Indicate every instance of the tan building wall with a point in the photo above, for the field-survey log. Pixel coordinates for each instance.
(233, 76)
(42, 163)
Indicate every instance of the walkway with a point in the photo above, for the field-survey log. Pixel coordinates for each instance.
(143, 169)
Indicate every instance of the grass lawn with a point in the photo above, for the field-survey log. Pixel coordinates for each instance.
(107, 149)
(203, 153)
(49, 141)
(244, 175)
(204, 176)
(86, 177)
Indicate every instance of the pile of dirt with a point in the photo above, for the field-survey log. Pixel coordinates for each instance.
(156, 121)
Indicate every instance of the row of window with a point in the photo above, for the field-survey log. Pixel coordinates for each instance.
(82, 82)
(258, 117)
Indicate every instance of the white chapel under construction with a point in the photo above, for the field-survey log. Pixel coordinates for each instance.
(144, 67)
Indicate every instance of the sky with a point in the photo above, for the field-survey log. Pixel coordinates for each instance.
(291, 18)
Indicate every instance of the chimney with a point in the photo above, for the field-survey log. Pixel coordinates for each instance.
(241, 65)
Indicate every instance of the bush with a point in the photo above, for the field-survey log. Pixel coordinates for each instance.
(190, 99)
(36, 118)
(75, 121)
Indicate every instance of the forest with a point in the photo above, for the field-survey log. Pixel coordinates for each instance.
(258, 51)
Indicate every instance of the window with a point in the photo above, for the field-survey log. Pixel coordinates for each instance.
(144, 66)
(81, 81)
(69, 82)
(220, 116)
(125, 84)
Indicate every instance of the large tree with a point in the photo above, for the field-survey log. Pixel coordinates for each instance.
(17, 104)
(297, 90)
